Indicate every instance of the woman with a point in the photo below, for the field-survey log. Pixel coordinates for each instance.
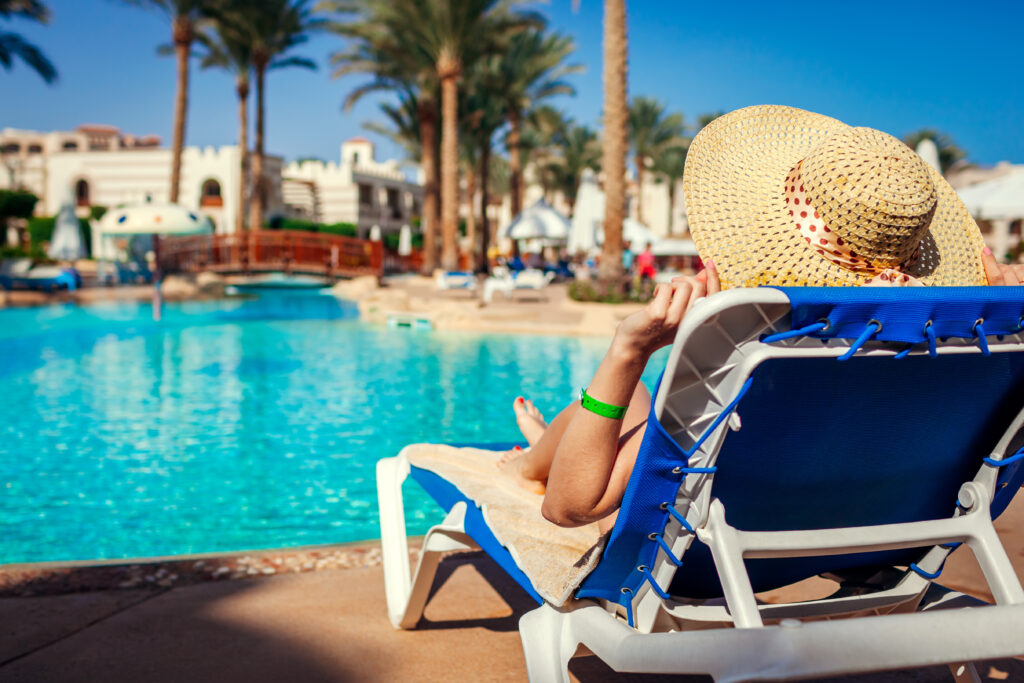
(776, 196)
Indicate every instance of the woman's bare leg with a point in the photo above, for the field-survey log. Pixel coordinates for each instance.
(532, 466)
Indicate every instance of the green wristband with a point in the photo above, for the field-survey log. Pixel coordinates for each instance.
(600, 407)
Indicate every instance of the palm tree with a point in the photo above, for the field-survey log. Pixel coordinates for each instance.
(273, 28)
(668, 167)
(484, 111)
(454, 34)
(543, 132)
(704, 119)
(616, 115)
(184, 15)
(650, 132)
(531, 70)
(949, 152)
(375, 49)
(228, 47)
(13, 45)
(404, 128)
(579, 150)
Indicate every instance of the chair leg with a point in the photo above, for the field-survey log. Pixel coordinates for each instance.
(442, 538)
(391, 472)
(547, 644)
(964, 673)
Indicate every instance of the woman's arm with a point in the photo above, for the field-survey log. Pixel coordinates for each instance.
(587, 480)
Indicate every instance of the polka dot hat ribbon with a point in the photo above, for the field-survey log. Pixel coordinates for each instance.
(831, 246)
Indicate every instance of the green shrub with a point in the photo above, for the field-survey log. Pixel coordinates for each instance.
(343, 229)
(282, 223)
(97, 212)
(592, 291)
(391, 241)
(16, 204)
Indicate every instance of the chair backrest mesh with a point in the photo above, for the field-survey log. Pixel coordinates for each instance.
(870, 441)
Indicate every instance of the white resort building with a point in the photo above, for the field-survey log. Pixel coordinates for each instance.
(358, 190)
(101, 166)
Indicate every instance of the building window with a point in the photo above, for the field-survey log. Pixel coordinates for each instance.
(210, 194)
(365, 195)
(355, 158)
(394, 206)
(82, 193)
(10, 148)
(35, 149)
(70, 146)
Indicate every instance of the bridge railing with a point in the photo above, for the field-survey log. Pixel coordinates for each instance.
(288, 251)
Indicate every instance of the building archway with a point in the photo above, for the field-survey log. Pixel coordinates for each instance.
(82, 193)
(210, 194)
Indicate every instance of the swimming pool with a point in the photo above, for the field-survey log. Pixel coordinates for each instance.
(239, 424)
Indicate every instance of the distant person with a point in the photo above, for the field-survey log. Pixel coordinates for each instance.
(645, 265)
(627, 257)
(516, 264)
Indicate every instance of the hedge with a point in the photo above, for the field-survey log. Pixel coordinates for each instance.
(16, 204)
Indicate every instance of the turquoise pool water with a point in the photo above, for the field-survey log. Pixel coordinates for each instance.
(239, 424)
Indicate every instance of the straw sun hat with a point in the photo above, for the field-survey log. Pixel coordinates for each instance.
(781, 196)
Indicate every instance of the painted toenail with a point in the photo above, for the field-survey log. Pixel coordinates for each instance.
(517, 448)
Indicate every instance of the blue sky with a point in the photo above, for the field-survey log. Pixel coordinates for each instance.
(897, 66)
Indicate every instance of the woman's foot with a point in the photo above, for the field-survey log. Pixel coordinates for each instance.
(512, 462)
(531, 422)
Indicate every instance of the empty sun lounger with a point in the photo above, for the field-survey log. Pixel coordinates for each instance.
(20, 274)
(464, 280)
(531, 279)
(859, 434)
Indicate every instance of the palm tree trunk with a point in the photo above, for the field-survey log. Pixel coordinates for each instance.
(182, 34)
(471, 216)
(448, 71)
(671, 203)
(640, 188)
(243, 151)
(514, 162)
(616, 114)
(258, 203)
(485, 223)
(427, 114)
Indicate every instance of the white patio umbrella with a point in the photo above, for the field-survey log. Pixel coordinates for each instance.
(674, 246)
(927, 150)
(405, 241)
(155, 220)
(1000, 201)
(587, 215)
(539, 221)
(375, 234)
(66, 243)
(1001, 197)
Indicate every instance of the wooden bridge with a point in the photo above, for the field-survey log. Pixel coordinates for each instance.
(280, 251)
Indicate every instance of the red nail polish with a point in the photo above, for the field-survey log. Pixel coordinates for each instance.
(517, 448)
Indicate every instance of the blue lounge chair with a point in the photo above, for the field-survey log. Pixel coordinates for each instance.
(858, 434)
(21, 274)
(455, 279)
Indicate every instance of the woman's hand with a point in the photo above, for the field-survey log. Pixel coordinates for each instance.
(999, 274)
(646, 331)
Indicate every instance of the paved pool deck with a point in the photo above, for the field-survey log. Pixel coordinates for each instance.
(331, 625)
